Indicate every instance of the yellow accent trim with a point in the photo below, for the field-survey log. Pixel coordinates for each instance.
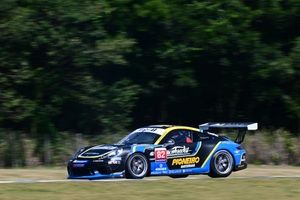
(212, 151)
(168, 130)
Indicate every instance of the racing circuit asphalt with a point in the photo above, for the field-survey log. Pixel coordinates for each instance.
(58, 175)
(157, 178)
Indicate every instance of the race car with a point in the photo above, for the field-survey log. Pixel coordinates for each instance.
(175, 151)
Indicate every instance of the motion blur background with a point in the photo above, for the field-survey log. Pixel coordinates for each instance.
(79, 72)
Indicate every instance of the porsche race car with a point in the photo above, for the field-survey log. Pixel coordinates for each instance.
(175, 151)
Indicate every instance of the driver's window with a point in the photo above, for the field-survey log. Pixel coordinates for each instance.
(179, 137)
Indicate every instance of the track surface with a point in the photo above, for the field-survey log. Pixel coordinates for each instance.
(44, 175)
(145, 179)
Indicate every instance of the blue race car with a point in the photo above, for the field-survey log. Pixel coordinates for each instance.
(175, 151)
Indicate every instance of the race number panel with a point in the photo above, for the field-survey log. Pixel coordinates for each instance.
(160, 154)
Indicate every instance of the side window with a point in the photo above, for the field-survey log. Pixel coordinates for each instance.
(203, 136)
(196, 136)
(179, 137)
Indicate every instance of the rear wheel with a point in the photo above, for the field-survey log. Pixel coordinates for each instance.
(136, 166)
(179, 176)
(221, 164)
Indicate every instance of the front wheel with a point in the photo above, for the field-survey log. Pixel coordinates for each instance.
(221, 164)
(136, 166)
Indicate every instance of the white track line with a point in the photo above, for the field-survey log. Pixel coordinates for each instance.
(146, 179)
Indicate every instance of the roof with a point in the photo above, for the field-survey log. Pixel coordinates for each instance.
(172, 127)
(164, 126)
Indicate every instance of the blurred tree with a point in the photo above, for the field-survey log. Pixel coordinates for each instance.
(94, 66)
(49, 58)
(204, 60)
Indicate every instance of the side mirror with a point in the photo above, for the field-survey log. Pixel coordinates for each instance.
(169, 143)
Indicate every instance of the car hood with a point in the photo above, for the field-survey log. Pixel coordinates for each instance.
(99, 151)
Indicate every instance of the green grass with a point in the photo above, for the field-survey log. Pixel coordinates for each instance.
(184, 189)
(240, 185)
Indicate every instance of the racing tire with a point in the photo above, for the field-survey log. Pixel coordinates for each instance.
(136, 166)
(221, 164)
(179, 176)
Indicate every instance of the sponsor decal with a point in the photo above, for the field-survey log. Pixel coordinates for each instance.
(160, 154)
(80, 161)
(186, 161)
(78, 165)
(114, 162)
(161, 167)
(187, 166)
(179, 151)
(176, 171)
(98, 161)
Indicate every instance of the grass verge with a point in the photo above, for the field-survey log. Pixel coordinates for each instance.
(249, 188)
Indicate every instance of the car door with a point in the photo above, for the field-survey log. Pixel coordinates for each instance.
(183, 149)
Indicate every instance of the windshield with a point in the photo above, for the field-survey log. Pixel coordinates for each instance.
(139, 138)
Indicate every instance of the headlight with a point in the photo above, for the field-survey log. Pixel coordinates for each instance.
(115, 153)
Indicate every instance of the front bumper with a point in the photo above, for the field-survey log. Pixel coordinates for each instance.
(91, 169)
(99, 176)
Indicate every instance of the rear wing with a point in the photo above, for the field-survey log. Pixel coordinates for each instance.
(241, 127)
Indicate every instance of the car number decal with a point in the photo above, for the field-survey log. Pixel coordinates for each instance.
(160, 154)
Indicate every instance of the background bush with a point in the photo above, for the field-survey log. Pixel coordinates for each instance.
(264, 147)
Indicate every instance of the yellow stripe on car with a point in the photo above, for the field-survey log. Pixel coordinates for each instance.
(174, 128)
(211, 153)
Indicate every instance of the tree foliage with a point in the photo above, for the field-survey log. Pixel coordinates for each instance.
(95, 67)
